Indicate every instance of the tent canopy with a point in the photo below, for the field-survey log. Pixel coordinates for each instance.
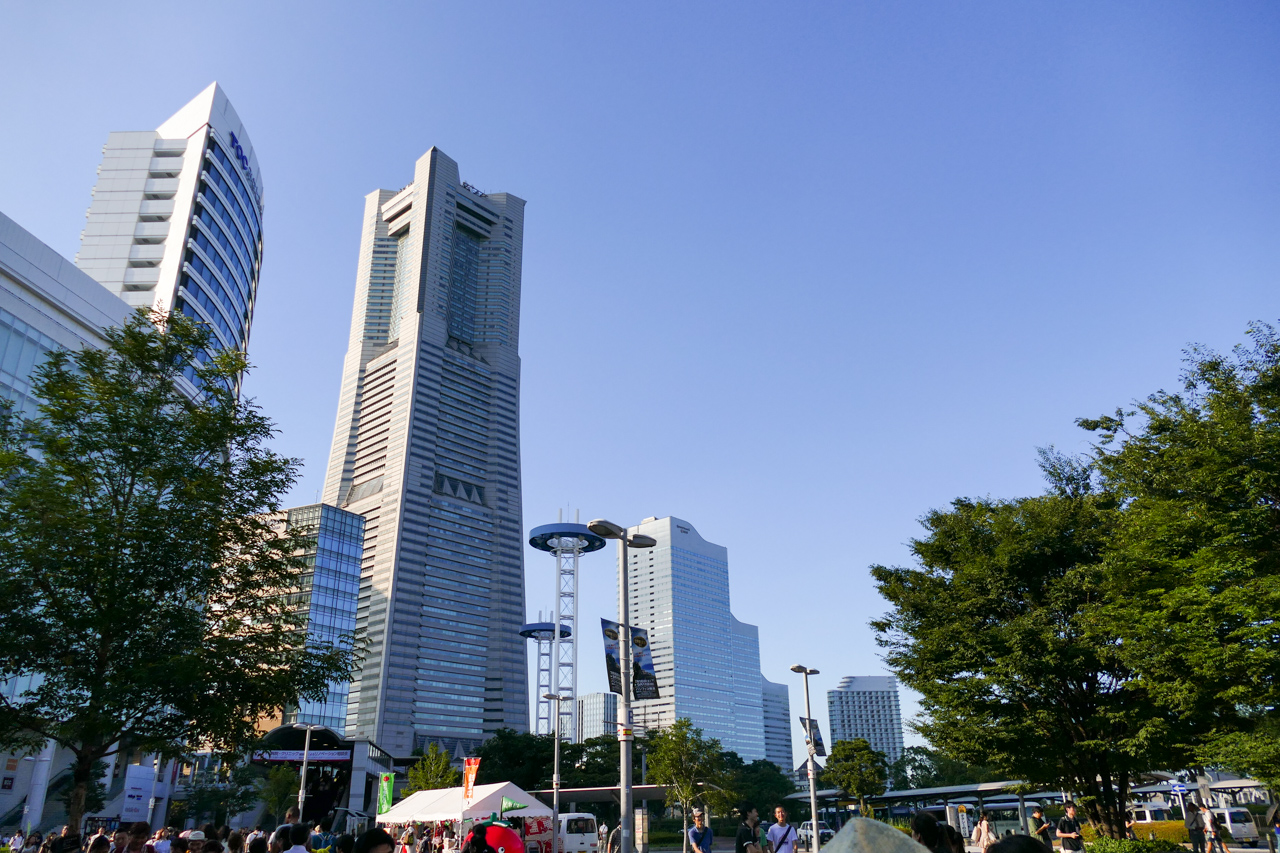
(446, 804)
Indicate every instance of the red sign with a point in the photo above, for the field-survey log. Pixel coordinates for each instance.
(470, 766)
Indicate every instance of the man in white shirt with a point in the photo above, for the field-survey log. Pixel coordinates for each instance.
(782, 836)
(299, 835)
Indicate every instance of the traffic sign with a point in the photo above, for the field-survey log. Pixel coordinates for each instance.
(1178, 788)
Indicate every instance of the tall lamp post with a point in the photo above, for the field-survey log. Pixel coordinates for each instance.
(609, 530)
(306, 752)
(555, 774)
(815, 837)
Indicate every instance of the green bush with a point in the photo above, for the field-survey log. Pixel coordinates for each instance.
(1165, 830)
(1112, 845)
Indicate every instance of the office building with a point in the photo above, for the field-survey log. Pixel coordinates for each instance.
(333, 546)
(45, 304)
(176, 218)
(597, 715)
(706, 661)
(426, 448)
(866, 706)
(777, 723)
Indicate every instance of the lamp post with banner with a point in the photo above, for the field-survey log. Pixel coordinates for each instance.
(815, 841)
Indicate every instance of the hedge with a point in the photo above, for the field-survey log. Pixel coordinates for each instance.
(1165, 830)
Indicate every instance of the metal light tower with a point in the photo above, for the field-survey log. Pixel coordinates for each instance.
(543, 634)
(567, 542)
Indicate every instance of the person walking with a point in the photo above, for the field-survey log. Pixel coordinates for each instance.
(782, 835)
(1193, 820)
(1069, 829)
(748, 839)
(983, 834)
(1212, 831)
(1041, 828)
(700, 835)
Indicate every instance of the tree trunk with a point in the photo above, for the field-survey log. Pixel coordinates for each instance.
(684, 833)
(81, 777)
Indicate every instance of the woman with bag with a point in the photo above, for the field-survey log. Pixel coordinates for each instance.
(983, 834)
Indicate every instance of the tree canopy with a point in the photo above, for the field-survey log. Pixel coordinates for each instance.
(857, 769)
(146, 591)
(432, 771)
(922, 767)
(690, 765)
(523, 758)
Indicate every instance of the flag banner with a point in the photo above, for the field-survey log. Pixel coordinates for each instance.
(510, 805)
(813, 735)
(469, 769)
(386, 785)
(644, 680)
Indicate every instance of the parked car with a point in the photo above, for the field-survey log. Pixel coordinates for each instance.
(1239, 823)
(806, 831)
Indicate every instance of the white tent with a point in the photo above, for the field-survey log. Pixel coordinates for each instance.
(446, 804)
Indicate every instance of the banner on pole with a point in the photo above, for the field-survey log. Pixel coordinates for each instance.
(813, 735)
(644, 680)
(470, 767)
(386, 787)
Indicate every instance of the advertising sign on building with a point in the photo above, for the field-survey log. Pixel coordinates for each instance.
(137, 793)
(386, 785)
(644, 680)
(470, 767)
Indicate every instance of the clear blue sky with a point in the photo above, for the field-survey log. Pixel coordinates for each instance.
(795, 272)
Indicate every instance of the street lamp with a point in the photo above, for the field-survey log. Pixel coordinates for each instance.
(555, 774)
(609, 530)
(306, 750)
(815, 843)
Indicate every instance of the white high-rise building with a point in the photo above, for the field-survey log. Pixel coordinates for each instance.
(777, 723)
(866, 706)
(597, 715)
(707, 662)
(176, 218)
(427, 449)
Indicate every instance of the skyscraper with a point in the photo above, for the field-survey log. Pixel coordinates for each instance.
(176, 218)
(866, 706)
(427, 449)
(597, 715)
(707, 662)
(777, 724)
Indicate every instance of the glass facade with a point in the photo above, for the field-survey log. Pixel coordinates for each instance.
(328, 592)
(866, 706)
(22, 349)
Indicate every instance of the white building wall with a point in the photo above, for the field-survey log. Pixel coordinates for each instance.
(866, 706)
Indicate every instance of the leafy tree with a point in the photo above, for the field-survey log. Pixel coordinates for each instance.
(857, 769)
(1198, 546)
(143, 586)
(1000, 629)
(95, 794)
(432, 771)
(520, 757)
(921, 767)
(760, 782)
(278, 790)
(220, 792)
(686, 762)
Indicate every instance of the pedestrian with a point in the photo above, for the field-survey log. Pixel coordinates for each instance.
(1212, 831)
(257, 833)
(33, 842)
(281, 835)
(700, 835)
(99, 844)
(161, 841)
(983, 834)
(17, 841)
(953, 838)
(1016, 844)
(235, 842)
(299, 835)
(260, 845)
(119, 840)
(375, 840)
(448, 839)
(1041, 828)
(782, 835)
(476, 840)
(178, 844)
(925, 831)
(748, 839)
(1193, 820)
(1069, 829)
(69, 840)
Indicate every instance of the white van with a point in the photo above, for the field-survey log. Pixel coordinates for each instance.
(578, 833)
(1155, 810)
(1239, 823)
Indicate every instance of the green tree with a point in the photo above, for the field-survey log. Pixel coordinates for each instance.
(688, 764)
(220, 792)
(921, 767)
(95, 794)
(1001, 630)
(432, 771)
(144, 589)
(278, 790)
(760, 783)
(519, 757)
(857, 769)
(1199, 547)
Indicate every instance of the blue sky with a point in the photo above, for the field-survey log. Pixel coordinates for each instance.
(794, 272)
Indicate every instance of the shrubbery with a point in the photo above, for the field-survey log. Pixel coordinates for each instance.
(1112, 845)
(1165, 830)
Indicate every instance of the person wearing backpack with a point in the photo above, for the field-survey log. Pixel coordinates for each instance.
(1069, 829)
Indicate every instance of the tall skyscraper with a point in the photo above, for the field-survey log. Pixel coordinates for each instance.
(333, 545)
(866, 706)
(597, 715)
(427, 449)
(777, 724)
(176, 218)
(707, 662)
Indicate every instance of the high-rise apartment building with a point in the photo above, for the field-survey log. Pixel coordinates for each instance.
(707, 662)
(597, 715)
(427, 449)
(333, 543)
(777, 723)
(176, 218)
(866, 706)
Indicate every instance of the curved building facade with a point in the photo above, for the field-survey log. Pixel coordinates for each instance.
(176, 219)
